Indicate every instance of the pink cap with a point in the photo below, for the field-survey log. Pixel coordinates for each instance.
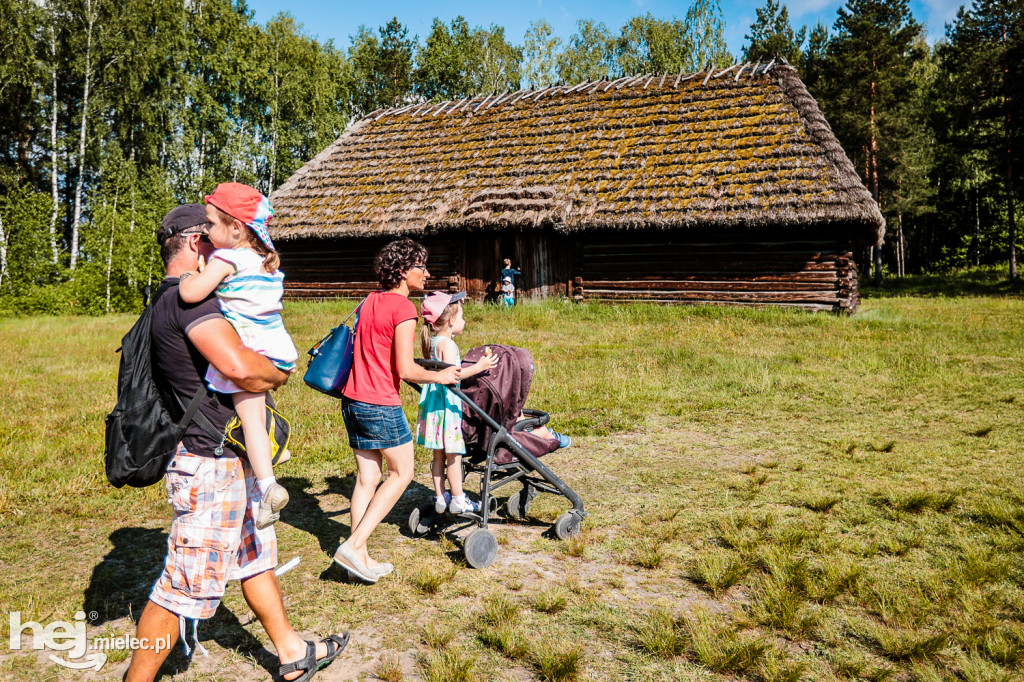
(435, 302)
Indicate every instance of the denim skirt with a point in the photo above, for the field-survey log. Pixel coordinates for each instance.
(374, 427)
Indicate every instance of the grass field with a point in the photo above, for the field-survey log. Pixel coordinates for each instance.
(773, 495)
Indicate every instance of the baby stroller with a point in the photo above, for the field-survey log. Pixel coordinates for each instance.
(502, 450)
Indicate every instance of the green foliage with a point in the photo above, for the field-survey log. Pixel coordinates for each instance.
(381, 67)
(589, 54)
(540, 52)
(649, 45)
(771, 36)
(457, 62)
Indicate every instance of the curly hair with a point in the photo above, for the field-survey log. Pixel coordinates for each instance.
(395, 259)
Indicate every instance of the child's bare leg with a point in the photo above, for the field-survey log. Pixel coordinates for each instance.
(437, 472)
(542, 431)
(455, 475)
(252, 411)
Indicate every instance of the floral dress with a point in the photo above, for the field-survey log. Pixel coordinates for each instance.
(440, 423)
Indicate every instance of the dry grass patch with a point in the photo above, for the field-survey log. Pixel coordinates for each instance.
(716, 643)
(916, 501)
(437, 635)
(452, 664)
(777, 604)
(661, 633)
(777, 667)
(550, 600)
(648, 553)
(998, 512)
(819, 501)
(558, 663)
(428, 578)
(389, 668)
(717, 570)
(506, 638)
(901, 644)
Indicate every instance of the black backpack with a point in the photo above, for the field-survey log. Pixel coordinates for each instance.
(141, 435)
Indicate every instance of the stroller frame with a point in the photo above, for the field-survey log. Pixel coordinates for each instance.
(480, 546)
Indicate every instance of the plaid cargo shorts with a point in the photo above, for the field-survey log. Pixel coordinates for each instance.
(213, 536)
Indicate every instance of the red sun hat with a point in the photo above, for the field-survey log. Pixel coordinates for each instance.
(246, 204)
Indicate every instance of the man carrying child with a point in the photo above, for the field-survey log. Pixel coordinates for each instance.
(213, 536)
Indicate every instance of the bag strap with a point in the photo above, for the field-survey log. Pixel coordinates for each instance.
(355, 312)
(192, 413)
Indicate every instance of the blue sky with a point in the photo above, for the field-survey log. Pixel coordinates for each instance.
(331, 19)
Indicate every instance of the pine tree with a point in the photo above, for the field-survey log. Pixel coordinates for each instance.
(867, 87)
(982, 65)
(772, 37)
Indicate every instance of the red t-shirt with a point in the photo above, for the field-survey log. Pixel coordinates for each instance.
(374, 377)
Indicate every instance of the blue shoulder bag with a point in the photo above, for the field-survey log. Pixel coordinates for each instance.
(330, 360)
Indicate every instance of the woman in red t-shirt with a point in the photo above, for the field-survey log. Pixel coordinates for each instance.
(372, 409)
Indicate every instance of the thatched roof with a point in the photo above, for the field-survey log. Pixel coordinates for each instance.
(741, 147)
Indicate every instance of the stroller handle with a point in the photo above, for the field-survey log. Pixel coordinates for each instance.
(432, 365)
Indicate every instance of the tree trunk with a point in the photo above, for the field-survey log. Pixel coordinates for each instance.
(91, 20)
(977, 227)
(873, 172)
(110, 248)
(3, 254)
(202, 159)
(901, 255)
(1009, 167)
(273, 133)
(54, 195)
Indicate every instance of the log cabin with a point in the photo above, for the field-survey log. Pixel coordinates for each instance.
(722, 187)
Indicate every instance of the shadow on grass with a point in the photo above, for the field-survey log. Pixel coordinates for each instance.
(120, 584)
(994, 281)
(305, 513)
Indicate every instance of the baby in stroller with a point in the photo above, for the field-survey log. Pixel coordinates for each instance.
(439, 425)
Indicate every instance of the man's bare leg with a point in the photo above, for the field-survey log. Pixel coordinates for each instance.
(158, 627)
(263, 594)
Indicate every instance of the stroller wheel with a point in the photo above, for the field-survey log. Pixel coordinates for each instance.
(566, 526)
(421, 519)
(480, 547)
(518, 506)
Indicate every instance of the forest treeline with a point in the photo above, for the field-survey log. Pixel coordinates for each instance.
(113, 111)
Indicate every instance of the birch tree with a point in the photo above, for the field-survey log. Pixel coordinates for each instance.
(89, 17)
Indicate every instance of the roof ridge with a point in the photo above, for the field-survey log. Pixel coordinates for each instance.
(512, 97)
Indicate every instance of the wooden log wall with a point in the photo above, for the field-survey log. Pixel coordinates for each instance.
(543, 256)
(682, 267)
(343, 268)
(750, 269)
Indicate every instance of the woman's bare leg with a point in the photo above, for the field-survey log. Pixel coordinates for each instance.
(400, 471)
(367, 478)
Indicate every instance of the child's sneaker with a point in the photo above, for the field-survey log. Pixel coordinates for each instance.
(274, 500)
(462, 504)
(441, 503)
(563, 440)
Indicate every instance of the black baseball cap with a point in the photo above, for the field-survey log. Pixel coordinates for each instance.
(180, 219)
